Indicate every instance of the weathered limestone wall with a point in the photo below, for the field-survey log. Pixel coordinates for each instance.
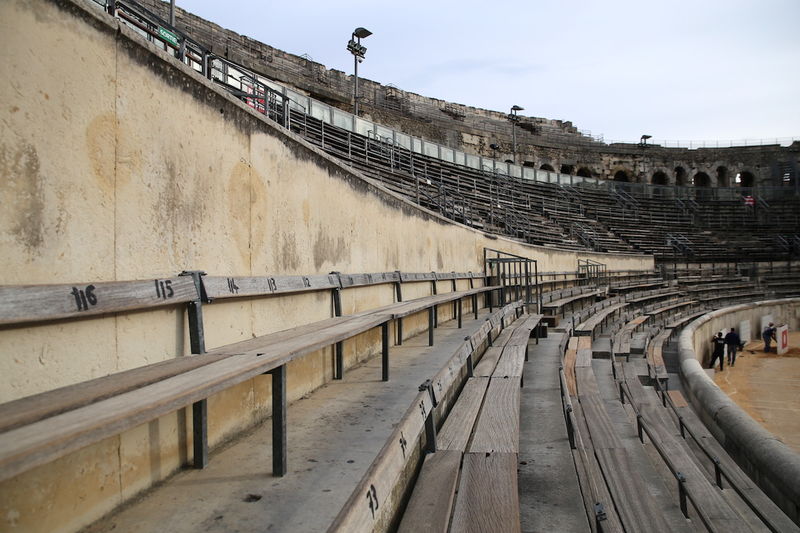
(767, 460)
(119, 163)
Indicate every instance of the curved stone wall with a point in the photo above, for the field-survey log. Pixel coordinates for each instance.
(772, 464)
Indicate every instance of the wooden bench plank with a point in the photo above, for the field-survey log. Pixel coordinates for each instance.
(31, 409)
(43, 441)
(218, 287)
(37, 303)
(497, 429)
(584, 352)
(677, 398)
(569, 365)
(488, 362)
(432, 499)
(637, 507)
(457, 427)
(587, 326)
(511, 362)
(488, 500)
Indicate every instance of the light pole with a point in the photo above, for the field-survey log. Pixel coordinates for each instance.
(354, 47)
(514, 119)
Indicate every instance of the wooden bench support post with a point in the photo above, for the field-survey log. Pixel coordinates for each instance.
(197, 343)
(338, 367)
(431, 312)
(279, 451)
(399, 328)
(458, 312)
(385, 351)
(338, 350)
(200, 433)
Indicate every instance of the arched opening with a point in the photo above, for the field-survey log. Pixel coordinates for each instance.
(701, 179)
(621, 175)
(547, 167)
(659, 178)
(745, 179)
(722, 177)
(680, 176)
(567, 169)
(529, 164)
(584, 172)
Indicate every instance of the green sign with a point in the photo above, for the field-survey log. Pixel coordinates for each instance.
(168, 36)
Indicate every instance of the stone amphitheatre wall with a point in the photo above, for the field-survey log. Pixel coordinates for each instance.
(552, 143)
(119, 163)
(767, 460)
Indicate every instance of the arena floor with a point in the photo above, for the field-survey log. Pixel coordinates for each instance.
(766, 386)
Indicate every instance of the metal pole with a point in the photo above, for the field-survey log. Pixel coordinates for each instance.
(355, 85)
(172, 13)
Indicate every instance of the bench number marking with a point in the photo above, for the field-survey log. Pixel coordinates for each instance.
(372, 498)
(164, 289)
(84, 297)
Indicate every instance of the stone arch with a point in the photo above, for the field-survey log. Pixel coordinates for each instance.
(701, 179)
(622, 175)
(548, 167)
(659, 178)
(745, 178)
(680, 176)
(723, 179)
(568, 169)
(529, 164)
(584, 172)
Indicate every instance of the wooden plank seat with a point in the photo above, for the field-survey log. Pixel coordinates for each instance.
(558, 306)
(622, 338)
(42, 441)
(484, 422)
(680, 321)
(635, 504)
(671, 306)
(40, 428)
(712, 508)
(588, 326)
(400, 310)
(652, 296)
(768, 511)
(655, 358)
(387, 469)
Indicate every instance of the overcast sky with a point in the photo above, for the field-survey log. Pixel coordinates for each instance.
(677, 70)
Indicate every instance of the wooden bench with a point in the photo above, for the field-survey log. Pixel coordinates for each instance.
(483, 423)
(655, 358)
(43, 427)
(713, 509)
(587, 327)
(417, 431)
(621, 341)
(573, 296)
(634, 503)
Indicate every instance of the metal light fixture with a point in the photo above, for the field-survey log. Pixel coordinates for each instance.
(514, 119)
(355, 47)
(643, 140)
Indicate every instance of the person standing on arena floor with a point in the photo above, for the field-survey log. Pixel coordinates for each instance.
(732, 343)
(767, 336)
(719, 351)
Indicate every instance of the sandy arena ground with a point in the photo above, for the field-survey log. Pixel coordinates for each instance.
(767, 386)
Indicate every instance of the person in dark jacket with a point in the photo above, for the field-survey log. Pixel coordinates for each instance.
(732, 341)
(768, 335)
(719, 351)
